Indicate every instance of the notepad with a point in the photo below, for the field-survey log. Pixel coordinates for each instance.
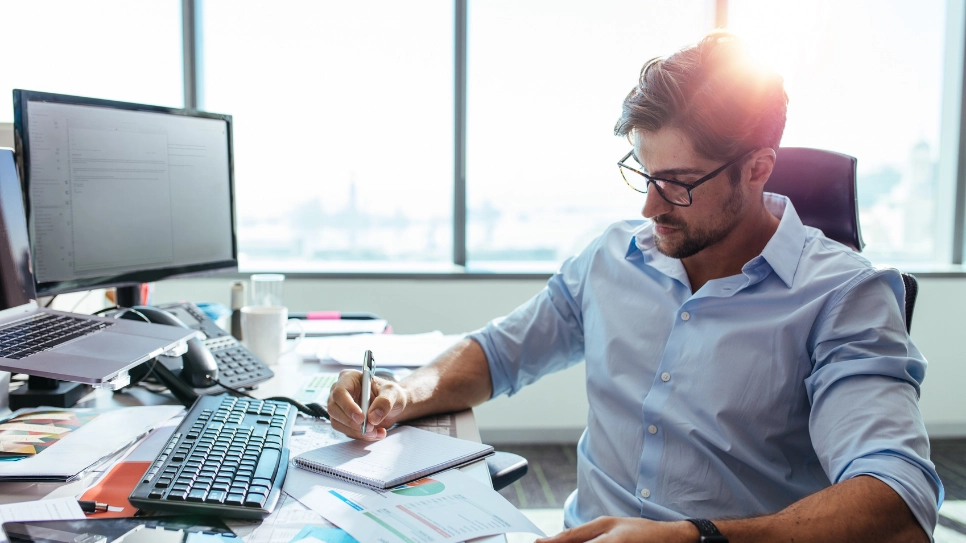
(406, 454)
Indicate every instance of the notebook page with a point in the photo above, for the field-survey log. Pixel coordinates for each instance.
(404, 451)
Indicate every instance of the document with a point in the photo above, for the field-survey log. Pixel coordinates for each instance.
(447, 507)
(289, 518)
(86, 446)
(121, 479)
(58, 509)
(407, 350)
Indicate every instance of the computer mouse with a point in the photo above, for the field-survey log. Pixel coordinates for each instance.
(199, 367)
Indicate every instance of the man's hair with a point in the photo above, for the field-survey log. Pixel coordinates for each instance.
(723, 103)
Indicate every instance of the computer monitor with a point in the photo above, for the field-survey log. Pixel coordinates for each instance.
(119, 194)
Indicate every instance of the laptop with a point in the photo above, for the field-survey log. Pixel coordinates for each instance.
(59, 344)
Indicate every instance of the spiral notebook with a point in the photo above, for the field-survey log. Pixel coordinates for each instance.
(406, 454)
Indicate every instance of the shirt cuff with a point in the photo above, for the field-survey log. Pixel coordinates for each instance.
(919, 488)
(498, 375)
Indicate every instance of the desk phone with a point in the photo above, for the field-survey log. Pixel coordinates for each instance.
(237, 366)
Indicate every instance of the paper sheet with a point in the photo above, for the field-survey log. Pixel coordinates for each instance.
(58, 509)
(285, 522)
(447, 507)
(91, 443)
(411, 350)
(313, 534)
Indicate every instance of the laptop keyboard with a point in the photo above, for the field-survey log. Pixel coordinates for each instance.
(44, 332)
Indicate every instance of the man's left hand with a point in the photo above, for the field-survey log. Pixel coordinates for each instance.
(636, 530)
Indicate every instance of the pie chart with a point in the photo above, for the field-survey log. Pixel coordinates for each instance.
(422, 487)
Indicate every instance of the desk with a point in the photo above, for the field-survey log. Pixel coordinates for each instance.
(290, 373)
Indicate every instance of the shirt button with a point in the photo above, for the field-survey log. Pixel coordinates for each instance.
(645, 493)
(665, 377)
(685, 316)
(652, 430)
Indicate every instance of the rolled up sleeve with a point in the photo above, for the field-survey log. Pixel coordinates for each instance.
(542, 336)
(864, 391)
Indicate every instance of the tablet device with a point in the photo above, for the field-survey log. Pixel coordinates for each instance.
(173, 529)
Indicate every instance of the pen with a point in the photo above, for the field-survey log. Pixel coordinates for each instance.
(368, 363)
(333, 316)
(96, 507)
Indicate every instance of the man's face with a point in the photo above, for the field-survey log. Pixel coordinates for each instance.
(717, 205)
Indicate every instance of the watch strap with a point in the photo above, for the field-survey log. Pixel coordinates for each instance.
(709, 532)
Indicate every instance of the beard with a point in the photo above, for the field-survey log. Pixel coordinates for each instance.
(693, 240)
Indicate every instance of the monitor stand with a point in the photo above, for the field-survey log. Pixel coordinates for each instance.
(127, 296)
(44, 391)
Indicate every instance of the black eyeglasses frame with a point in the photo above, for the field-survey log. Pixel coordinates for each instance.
(687, 186)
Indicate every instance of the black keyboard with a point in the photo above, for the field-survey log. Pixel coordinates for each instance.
(228, 458)
(44, 332)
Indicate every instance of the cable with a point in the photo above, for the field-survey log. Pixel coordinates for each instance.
(185, 393)
(50, 301)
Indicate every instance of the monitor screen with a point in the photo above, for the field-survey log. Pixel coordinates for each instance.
(121, 193)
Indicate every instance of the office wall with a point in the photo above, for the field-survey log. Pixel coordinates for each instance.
(6, 135)
(554, 409)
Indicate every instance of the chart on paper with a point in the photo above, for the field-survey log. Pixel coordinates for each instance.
(445, 508)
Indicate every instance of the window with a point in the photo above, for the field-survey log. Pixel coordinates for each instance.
(345, 133)
(866, 78)
(546, 79)
(343, 125)
(114, 49)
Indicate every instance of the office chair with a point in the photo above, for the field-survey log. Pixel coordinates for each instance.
(822, 187)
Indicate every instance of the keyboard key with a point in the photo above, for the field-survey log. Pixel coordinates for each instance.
(267, 464)
(255, 499)
(216, 496)
(197, 495)
(235, 499)
(178, 495)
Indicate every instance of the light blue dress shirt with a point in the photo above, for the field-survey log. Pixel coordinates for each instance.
(738, 399)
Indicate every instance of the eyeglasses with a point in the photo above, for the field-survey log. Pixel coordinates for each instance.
(674, 192)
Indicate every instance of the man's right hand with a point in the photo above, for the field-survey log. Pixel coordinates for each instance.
(388, 401)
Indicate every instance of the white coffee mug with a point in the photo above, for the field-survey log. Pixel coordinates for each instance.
(264, 331)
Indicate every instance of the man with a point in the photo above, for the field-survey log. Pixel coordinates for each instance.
(743, 370)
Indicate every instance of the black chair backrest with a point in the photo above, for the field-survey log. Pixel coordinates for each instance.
(821, 186)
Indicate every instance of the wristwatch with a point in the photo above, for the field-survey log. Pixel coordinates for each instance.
(709, 532)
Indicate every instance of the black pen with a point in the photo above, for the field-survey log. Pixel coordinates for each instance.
(88, 506)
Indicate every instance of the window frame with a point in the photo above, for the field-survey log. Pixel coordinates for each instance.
(193, 40)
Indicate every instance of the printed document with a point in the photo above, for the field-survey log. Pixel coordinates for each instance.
(58, 509)
(447, 507)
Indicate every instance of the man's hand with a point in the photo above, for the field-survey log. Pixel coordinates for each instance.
(638, 530)
(388, 400)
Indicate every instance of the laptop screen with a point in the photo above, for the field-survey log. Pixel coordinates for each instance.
(16, 278)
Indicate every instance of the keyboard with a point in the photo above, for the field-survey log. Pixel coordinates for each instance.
(227, 458)
(44, 332)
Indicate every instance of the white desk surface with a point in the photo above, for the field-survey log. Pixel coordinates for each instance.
(290, 373)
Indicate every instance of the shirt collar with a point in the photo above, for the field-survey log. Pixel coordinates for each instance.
(782, 253)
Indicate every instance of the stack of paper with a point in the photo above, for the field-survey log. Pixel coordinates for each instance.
(405, 350)
(447, 507)
(86, 446)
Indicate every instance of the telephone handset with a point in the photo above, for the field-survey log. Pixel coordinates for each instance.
(218, 356)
